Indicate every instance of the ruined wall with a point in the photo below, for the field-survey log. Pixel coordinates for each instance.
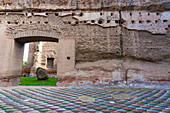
(99, 35)
(38, 54)
(103, 30)
(84, 4)
(30, 55)
(145, 46)
(96, 43)
(49, 50)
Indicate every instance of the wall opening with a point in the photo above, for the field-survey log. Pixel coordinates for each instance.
(42, 48)
(42, 54)
(68, 58)
(36, 51)
(50, 63)
(26, 52)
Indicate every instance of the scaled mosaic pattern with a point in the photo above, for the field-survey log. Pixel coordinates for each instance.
(66, 100)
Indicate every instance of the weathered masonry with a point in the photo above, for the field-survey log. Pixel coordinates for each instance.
(99, 41)
(41, 54)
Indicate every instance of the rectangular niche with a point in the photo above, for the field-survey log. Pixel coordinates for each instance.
(50, 62)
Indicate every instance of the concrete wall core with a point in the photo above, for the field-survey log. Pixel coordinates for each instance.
(114, 40)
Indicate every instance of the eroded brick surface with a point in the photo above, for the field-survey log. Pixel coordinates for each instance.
(136, 32)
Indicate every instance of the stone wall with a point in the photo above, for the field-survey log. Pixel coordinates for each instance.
(118, 72)
(133, 31)
(145, 46)
(31, 51)
(84, 4)
(96, 41)
(43, 51)
(50, 50)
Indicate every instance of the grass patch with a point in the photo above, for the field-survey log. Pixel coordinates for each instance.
(33, 81)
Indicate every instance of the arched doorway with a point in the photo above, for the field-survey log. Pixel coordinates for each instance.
(13, 60)
(43, 53)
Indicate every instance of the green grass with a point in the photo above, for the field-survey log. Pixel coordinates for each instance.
(32, 81)
(24, 63)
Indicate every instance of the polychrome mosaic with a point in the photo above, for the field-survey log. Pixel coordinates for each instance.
(67, 100)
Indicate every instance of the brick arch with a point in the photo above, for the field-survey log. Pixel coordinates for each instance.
(66, 46)
(37, 35)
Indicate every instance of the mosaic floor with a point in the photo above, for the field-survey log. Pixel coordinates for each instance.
(66, 100)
